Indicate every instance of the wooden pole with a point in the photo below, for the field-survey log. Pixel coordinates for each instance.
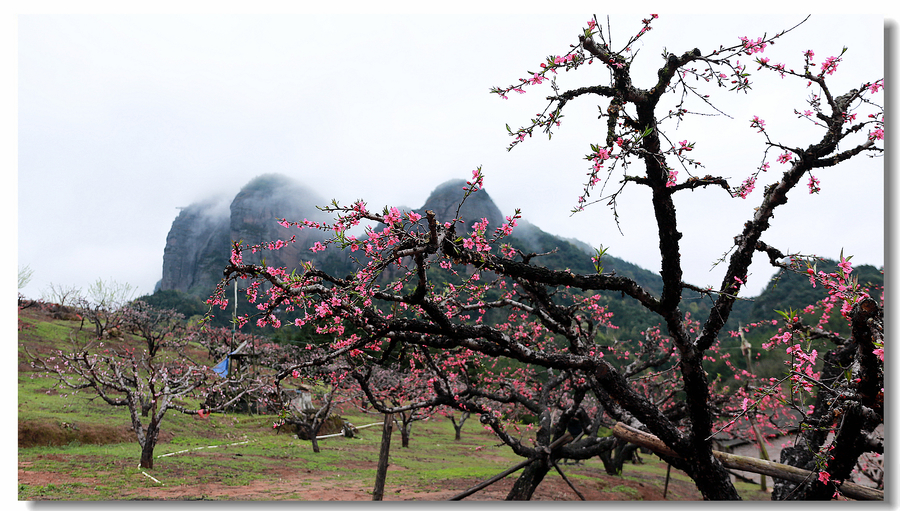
(668, 473)
(566, 438)
(755, 465)
(763, 453)
(492, 480)
(381, 473)
(566, 479)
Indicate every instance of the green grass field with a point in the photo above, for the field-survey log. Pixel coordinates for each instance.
(76, 447)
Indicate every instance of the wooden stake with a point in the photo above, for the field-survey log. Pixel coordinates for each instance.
(666, 487)
(381, 474)
(566, 438)
(566, 479)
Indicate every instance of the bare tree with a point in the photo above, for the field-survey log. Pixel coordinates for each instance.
(148, 377)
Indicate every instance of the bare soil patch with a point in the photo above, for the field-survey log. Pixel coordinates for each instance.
(34, 433)
(291, 483)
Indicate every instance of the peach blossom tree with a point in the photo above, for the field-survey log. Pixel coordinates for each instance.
(497, 304)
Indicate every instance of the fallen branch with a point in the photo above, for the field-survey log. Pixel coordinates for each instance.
(749, 464)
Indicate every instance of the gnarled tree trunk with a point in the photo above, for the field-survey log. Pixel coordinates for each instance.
(531, 477)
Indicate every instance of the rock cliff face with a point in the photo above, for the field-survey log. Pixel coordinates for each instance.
(198, 238)
(261, 204)
(199, 243)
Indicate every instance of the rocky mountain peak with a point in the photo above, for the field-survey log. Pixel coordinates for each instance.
(445, 199)
(198, 246)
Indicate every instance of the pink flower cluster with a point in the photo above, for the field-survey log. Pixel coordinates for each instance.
(477, 181)
(830, 65)
(756, 122)
(393, 217)
(560, 60)
(670, 182)
(875, 87)
(813, 184)
(746, 187)
(476, 240)
(752, 46)
(507, 228)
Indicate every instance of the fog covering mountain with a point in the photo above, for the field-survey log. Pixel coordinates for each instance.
(198, 245)
(198, 248)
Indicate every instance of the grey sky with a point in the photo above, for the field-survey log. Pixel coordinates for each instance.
(122, 119)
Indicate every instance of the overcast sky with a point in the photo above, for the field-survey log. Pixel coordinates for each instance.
(122, 119)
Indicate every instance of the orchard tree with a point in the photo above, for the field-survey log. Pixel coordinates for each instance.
(391, 391)
(104, 305)
(848, 402)
(148, 377)
(308, 422)
(550, 318)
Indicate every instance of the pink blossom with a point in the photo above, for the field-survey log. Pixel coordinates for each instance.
(747, 186)
(877, 134)
(392, 217)
(845, 266)
(830, 65)
(879, 352)
(785, 157)
(758, 123)
(873, 88)
(322, 310)
(780, 69)
(824, 477)
(671, 181)
(751, 46)
(813, 185)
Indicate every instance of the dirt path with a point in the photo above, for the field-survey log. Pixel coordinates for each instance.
(291, 484)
